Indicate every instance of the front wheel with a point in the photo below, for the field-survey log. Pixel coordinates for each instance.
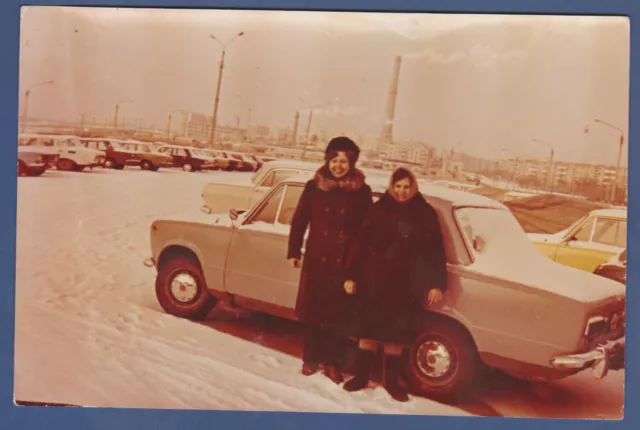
(187, 167)
(146, 165)
(181, 289)
(443, 359)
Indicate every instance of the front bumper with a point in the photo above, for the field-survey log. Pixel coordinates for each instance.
(605, 357)
(149, 262)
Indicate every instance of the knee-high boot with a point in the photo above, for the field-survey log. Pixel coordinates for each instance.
(362, 371)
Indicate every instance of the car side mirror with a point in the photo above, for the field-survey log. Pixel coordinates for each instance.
(206, 210)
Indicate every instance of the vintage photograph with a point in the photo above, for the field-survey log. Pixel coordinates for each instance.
(379, 213)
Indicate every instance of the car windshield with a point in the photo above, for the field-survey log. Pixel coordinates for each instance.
(495, 237)
(116, 145)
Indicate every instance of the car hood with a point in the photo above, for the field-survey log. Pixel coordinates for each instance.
(546, 238)
(49, 150)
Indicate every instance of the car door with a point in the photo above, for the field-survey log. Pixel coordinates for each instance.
(257, 266)
(597, 241)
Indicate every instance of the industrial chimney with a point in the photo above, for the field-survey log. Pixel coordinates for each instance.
(294, 138)
(387, 128)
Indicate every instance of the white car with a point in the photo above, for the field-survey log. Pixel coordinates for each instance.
(242, 192)
(72, 156)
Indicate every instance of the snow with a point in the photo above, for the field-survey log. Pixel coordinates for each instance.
(90, 332)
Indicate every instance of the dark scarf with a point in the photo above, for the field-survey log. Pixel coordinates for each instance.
(352, 181)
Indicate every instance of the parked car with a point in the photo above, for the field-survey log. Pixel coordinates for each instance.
(188, 158)
(243, 192)
(244, 162)
(589, 242)
(149, 157)
(615, 268)
(32, 161)
(116, 155)
(221, 160)
(71, 155)
(506, 306)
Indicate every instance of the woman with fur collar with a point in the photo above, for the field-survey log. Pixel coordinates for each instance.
(396, 268)
(333, 206)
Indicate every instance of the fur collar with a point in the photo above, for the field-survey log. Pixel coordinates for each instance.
(352, 181)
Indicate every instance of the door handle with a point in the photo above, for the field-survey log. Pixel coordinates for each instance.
(303, 251)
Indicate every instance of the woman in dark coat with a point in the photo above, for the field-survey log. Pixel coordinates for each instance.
(395, 269)
(333, 206)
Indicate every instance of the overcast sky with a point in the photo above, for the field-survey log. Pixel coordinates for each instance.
(481, 83)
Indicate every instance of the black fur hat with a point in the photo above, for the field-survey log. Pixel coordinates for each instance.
(343, 143)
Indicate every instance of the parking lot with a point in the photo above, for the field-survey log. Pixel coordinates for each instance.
(89, 330)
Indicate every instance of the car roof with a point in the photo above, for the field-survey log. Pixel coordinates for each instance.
(379, 182)
(613, 212)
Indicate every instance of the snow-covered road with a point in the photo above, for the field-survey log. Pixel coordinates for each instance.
(89, 330)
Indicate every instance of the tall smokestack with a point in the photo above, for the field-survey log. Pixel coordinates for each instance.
(294, 138)
(387, 128)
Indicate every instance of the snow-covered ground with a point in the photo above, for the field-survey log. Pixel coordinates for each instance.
(89, 330)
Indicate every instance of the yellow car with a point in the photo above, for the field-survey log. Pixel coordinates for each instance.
(589, 242)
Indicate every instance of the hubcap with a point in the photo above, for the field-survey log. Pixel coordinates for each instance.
(434, 359)
(184, 288)
(187, 167)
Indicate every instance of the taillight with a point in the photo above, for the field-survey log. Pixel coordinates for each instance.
(595, 327)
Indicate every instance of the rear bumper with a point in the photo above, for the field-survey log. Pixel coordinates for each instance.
(609, 356)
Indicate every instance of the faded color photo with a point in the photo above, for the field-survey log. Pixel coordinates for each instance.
(288, 211)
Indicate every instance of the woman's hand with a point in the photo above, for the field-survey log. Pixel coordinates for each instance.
(295, 263)
(350, 287)
(434, 297)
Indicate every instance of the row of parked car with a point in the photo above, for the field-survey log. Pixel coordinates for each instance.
(38, 152)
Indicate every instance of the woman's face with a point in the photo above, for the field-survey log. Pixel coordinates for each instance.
(402, 189)
(339, 165)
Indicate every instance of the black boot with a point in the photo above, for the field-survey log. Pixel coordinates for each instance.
(334, 373)
(393, 367)
(362, 372)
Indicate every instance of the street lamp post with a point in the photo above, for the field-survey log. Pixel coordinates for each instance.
(549, 180)
(214, 117)
(169, 122)
(115, 118)
(25, 108)
(617, 175)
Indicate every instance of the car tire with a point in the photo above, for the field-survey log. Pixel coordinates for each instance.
(109, 163)
(442, 361)
(119, 166)
(79, 168)
(66, 165)
(146, 165)
(181, 289)
(155, 168)
(187, 167)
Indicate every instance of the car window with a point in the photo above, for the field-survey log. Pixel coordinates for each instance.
(267, 213)
(610, 232)
(103, 146)
(584, 234)
(289, 203)
(268, 180)
(181, 152)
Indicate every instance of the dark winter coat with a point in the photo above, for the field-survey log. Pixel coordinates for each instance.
(397, 258)
(333, 210)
